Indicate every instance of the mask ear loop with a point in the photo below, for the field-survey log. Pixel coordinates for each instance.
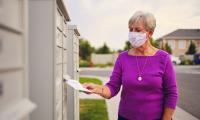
(147, 36)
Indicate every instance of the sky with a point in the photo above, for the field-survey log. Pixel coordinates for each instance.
(101, 21)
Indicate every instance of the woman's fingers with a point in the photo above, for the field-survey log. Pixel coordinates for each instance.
(85, 84)
(90, 86)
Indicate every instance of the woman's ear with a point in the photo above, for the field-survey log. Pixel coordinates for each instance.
(150, 33)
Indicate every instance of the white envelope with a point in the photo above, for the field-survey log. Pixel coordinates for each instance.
(75, 84)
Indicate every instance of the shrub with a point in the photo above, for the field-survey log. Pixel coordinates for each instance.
(187, 62)
(103, 65)
(84, 63)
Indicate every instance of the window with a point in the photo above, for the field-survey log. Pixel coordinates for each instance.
(181, 44)
(171, 43)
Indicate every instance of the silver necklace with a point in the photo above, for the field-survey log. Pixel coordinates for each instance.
(139, 77)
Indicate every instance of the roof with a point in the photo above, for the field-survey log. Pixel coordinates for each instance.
(62, 7)
(183, 34)
(74, 27)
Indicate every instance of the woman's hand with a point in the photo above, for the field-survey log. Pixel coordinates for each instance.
(94, 88)
(103, 91)
(168, 113)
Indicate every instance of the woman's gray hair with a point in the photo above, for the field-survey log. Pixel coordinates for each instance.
(147, 18)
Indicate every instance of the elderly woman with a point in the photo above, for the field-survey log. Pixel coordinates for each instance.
(146, 74)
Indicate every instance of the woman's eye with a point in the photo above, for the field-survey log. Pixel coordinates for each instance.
(137, 30)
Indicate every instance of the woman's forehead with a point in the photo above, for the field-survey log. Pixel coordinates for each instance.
(138, 24)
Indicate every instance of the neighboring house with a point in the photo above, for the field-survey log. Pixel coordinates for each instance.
(179, 40)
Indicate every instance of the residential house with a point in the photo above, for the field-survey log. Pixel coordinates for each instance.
(180, 39)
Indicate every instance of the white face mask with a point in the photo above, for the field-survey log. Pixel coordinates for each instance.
(137, 39)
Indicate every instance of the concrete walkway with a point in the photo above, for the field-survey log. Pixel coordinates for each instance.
(112, 104)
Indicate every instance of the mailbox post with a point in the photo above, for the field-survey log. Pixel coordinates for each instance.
(73, 70)
(48, 20)
(14, 95)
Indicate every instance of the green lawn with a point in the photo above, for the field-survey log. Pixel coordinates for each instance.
(91, 109)
(90, 80)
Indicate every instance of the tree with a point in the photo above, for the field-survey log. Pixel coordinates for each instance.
(85, 49)
(167, 48)
(192, 48)
(119, 50)
(127, 45)
(104, 49)
(154, 42)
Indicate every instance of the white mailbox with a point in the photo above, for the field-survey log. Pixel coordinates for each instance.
(48, 21)
(14, 100)
(72, 70)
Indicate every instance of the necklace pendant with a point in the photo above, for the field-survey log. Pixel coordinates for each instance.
(139, 78)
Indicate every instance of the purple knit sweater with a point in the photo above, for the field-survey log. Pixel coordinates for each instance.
(146, 99)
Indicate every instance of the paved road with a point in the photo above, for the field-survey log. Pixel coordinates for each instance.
(104, 72)
(188, 79)
(189, 92)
